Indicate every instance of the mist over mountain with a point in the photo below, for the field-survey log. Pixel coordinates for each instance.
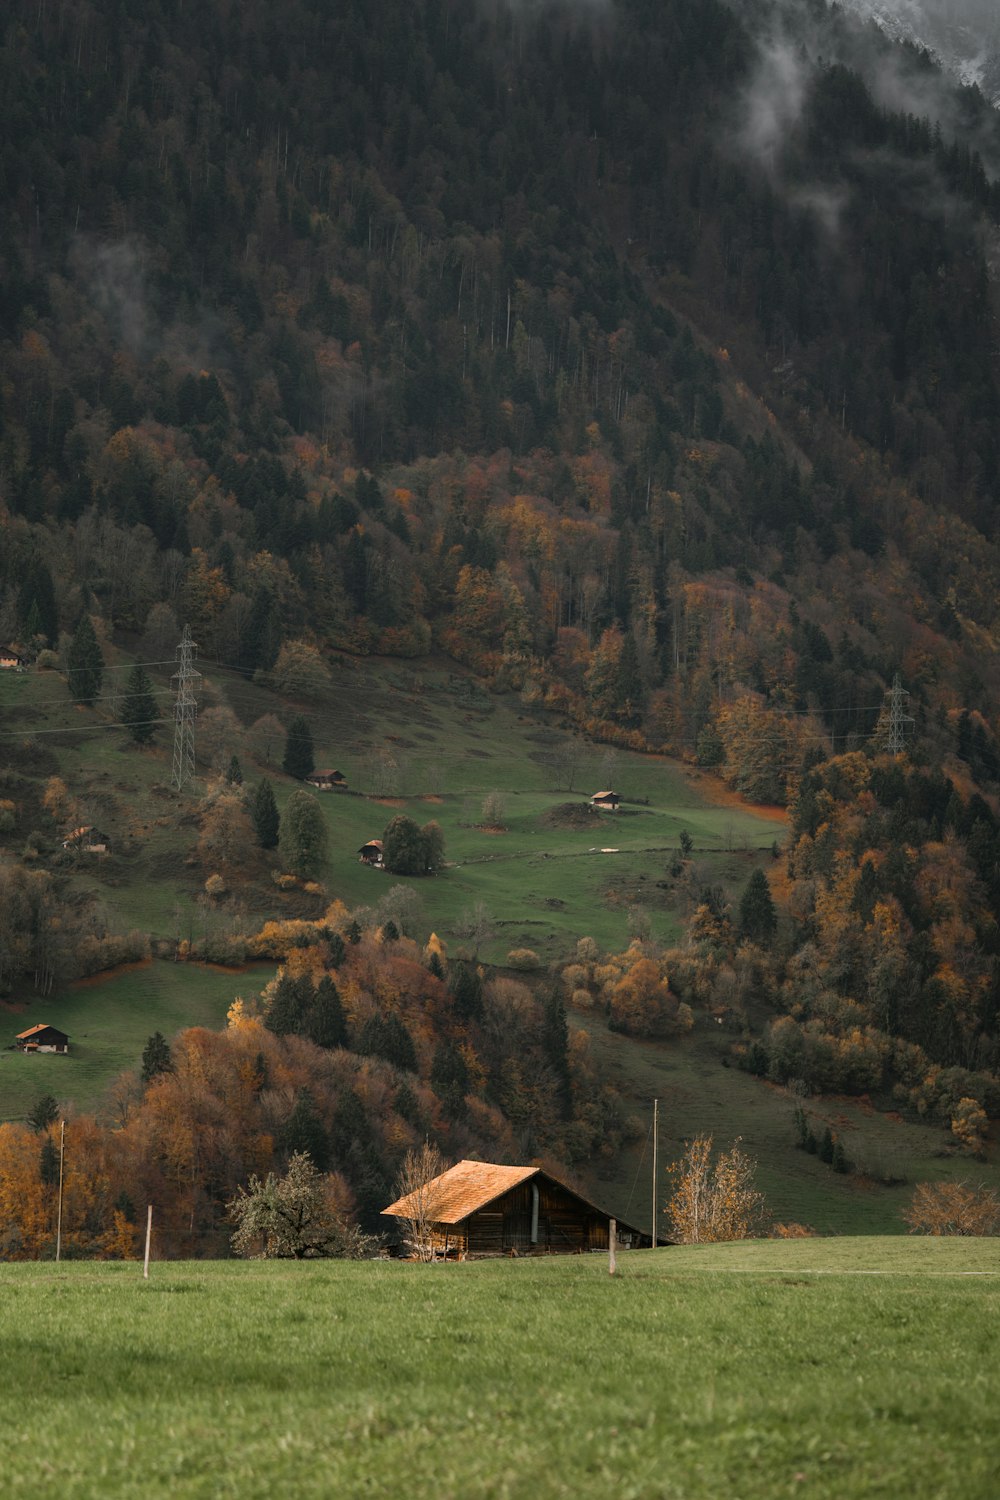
(964, 35)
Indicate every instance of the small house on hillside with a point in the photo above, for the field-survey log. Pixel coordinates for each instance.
(371, 853)
(605, 801)
(42, 1038)
(479, 1208)
(90, 840)
(11, 660)
(327, 781)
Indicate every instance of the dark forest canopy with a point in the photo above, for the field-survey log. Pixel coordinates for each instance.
(522, 331)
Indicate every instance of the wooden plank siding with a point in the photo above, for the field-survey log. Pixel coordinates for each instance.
(566, 1226)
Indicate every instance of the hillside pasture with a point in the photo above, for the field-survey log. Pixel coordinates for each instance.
(108, 1020)
(700, 1093)
(824, 1370)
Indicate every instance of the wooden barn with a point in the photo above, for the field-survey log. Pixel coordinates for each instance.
(478, 1208)
(327, 781)
(605, 801)
(90, 840)
(12, 660)
(371, 853)
(42, 1038)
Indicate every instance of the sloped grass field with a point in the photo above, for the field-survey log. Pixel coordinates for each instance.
(827, 1370)
(699, 1094)
(108, 1021)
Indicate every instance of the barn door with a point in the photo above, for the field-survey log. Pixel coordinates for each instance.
(517, 1231)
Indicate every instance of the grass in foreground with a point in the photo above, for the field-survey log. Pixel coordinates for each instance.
(705, 1372)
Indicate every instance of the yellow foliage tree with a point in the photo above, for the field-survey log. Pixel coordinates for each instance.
(714, 1201)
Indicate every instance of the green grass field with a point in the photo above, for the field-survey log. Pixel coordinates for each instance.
(449, 745)
(108, 1023)
(824, 1370)
(698, 1093)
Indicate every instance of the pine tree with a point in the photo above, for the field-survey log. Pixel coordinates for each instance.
(758, 918)
(264, 813)
(45, 1112)
(304, 1132)
(139, 707)
(555, 1045)
(298, 759)
(324, 1022)
(303, 835)
(234, 772)
(292, 998)
(86, 664)
(156, 1057)
(48, 1163)
(466, 991)
(450, 1078)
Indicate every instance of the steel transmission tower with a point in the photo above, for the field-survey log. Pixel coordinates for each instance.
(898, 721)
(185, 709)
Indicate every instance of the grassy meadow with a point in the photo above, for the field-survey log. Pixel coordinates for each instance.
(700, 1093)
(109, 1020)
(827, 1370)
(437, 745)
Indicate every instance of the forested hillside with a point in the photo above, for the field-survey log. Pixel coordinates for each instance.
(641, 357)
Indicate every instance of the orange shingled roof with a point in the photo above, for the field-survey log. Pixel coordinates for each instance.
(459, 1192)
(42, 1026)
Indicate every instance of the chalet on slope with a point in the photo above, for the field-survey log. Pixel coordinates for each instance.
(42, 1038)
(90, 840)
(327, 781)
(371, 853)
(479, 1208)
(605, 801)
(11, 660)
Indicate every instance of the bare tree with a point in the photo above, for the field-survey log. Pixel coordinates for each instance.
(494, 810)
(413, 1184)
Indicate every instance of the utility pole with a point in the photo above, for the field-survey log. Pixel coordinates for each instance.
(62, 1151)
(656, 1111)
(185, 710)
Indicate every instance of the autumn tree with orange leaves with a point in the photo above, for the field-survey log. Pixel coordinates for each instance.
(714, 1201)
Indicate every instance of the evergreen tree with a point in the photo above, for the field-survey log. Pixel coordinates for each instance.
(44, 1113)
(303, 835)
(298, 759)
(386, 1036)
(48, 1163)
(555, 1045)
(156, 1057)
(292, 997)
(264, 813)
(86, 664)
(36, 603)
(304, 1132)
(758, 918)
(234, 772)
(139, 706)
(324, 1021)
(450, 1078)
(466, 991)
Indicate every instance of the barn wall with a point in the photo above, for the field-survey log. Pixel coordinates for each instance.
(566, 1225)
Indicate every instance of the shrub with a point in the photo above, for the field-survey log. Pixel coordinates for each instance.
(523, 958)
(953, 1208)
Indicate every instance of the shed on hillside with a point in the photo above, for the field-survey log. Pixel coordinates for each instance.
(91, 840)
(479, 1208)
(371, 853)
(327, 781)
(11, 660)
(605, 801)
(42, 1038)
